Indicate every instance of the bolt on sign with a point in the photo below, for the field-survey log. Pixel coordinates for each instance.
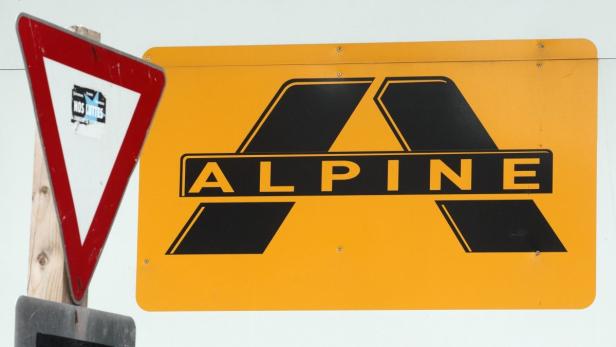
(371, 176)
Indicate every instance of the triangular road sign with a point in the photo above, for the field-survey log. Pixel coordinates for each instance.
(94, 106)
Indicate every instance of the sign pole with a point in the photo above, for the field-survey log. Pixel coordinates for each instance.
(47, 276)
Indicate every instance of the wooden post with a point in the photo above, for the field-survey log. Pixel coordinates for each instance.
(47, 276)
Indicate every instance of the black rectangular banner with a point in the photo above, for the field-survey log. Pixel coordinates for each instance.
(366, 173)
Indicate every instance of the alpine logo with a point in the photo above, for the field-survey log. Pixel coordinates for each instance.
(445, 151)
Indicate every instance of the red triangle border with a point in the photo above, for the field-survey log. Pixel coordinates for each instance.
(40, 39)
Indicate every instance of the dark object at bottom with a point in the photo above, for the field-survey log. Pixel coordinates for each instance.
(42, 323)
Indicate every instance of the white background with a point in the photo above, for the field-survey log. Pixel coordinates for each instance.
(134, 26)
(89, 150)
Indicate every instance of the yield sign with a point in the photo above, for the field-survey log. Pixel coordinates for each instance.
(94, 106)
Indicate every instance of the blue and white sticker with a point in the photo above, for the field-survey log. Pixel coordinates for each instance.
(89, 106)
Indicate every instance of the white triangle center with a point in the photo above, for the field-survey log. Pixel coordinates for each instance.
(92, 116)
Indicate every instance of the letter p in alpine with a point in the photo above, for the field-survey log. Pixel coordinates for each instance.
(395, 187)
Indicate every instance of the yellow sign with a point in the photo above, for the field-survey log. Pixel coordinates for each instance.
(441, 175)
